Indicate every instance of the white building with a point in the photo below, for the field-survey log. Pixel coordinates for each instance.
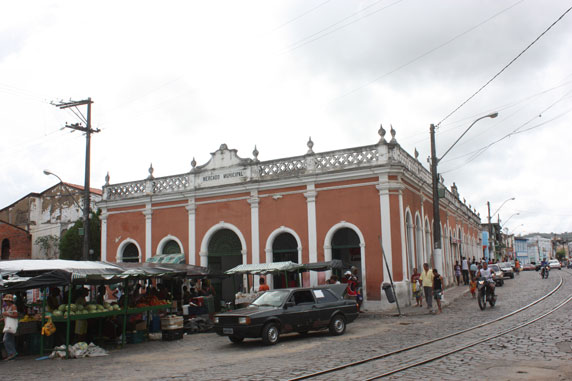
(539, 248)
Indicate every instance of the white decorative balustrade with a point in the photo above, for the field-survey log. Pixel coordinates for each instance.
(346, 158)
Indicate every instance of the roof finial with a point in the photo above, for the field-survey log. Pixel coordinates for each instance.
(392, 132)
(310, 145)
(107, 178)
(150, 177)
(381, 132)
(416, 154)
(193, 163)
(255, 154)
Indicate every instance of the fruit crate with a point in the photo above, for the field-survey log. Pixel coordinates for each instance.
(172, 334)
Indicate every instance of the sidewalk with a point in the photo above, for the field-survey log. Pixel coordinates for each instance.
(449, 296)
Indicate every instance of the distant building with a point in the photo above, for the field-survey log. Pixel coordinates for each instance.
(521, 250)
(47, 214)
(539, 248)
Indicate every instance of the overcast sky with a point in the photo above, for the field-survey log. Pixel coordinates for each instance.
(173, 80)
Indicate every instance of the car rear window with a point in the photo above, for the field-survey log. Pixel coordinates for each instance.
(325, 296)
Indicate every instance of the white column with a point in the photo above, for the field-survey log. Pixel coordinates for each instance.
(255, 232)
(312, 234)
(383, 188)
(104, 235)
(403, 243)
(191, 210)
(148, 224)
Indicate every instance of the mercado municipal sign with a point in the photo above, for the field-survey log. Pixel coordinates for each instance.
(223, 177)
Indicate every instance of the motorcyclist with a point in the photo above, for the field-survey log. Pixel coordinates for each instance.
(544, 268)
(489, 276)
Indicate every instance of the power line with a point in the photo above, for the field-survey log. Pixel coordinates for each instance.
(426, 53)
(299, 16)
(506, 66)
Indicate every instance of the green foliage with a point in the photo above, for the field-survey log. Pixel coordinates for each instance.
(561, 254)
(71, 243)
(48, 245)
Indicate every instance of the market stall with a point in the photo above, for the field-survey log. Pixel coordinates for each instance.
(20, 277)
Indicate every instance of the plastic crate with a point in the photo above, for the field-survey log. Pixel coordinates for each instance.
(172, 334)
(136, 337)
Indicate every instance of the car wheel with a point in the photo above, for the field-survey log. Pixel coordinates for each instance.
(270, 334)
(236, 339)
(337, 325)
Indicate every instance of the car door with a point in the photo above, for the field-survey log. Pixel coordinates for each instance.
(297, 314)
(326, 304)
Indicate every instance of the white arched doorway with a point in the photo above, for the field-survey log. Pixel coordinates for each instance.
(270, 243)
(328, 249)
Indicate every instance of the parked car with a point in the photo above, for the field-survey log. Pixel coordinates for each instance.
(499, 275)
(507, 269)
(528, 267)
(289, 310)
(554, 264)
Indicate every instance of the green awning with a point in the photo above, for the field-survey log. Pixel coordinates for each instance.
(167, 258)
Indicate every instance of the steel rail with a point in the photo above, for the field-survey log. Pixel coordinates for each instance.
(558, 306)
(411, 347)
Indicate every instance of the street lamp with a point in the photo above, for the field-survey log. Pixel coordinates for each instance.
(434, 162)
(515, 214)
(491, 246)
(85, 210)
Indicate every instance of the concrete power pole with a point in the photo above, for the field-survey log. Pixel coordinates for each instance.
(88, 131)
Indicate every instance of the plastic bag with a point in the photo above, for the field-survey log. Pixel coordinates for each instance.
(49, 328)
(10, 325)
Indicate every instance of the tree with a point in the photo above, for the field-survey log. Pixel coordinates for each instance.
(71, 243)
(561, 254)
(48, 244)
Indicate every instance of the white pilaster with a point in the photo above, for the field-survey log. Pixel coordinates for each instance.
(403, 243)
(104, 235)
(255, 232)
(191, 210)
(385, 216)
(148, 224)
(312, 233)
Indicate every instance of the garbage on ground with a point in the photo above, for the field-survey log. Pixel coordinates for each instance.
(79, 350)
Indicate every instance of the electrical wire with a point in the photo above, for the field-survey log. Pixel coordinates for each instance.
(300, 16)
(505, 67)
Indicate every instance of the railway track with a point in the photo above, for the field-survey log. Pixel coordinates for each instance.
(333, 370)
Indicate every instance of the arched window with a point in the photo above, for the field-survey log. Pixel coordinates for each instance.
(419, 242)
(5, 249)
(409, 243)
(130, 253)
(171, 247)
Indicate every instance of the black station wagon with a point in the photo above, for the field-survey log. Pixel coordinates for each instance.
(289, 310)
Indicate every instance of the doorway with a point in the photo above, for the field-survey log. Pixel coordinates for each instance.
(224, 253)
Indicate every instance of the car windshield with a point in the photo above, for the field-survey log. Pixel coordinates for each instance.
(505, 265)
(271, 298)
(495, 268)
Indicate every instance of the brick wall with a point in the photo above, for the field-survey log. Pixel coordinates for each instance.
(18, 240)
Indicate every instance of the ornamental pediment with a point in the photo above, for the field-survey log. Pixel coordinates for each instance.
(223, 158)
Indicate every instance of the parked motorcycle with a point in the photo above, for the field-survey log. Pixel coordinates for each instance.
(544, 272)
(486, 293)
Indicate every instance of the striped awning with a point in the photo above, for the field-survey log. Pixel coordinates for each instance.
(167, 258)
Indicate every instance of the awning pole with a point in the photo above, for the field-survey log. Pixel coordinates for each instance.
(68, 322)
(126, 294)
(43, 321)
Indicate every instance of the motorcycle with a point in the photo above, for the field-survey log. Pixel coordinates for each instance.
(486, 293)
(544, 272)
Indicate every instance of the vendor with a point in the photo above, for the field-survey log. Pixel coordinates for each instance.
(263, 286)
(54, 299)
(81, 325)
(206, 288)
(10, 312)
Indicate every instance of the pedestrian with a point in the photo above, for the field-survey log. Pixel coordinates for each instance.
(465, 270)
(416, 287)
(263, 286)
(473, 269)
(473, 286)
(427, 282)
(437, 289)
(458, 272)
(10, 316)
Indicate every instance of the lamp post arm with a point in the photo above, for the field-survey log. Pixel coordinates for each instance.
(493, 115)
(66, 187)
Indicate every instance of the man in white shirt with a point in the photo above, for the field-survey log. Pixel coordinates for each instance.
(465, 270)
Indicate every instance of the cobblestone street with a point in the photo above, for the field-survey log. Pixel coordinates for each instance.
(541, 350)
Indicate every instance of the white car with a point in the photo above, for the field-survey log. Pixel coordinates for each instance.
(554, 264)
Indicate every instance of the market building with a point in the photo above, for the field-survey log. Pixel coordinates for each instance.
(47, 216)
(315, 207)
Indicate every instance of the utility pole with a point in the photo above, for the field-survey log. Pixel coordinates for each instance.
(490, 230)
(88, 131)
(436, 216)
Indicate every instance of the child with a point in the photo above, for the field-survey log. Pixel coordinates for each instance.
(473, 286)
(416, 287)
(437, 289)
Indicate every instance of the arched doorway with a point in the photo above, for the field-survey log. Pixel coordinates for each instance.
(285, 248)
(130, 253)
(224, 253)
(419, 242)
(5, 249)
(346, 247)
